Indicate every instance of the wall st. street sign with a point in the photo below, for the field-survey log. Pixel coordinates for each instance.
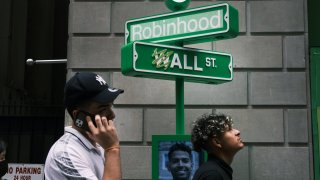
(160, 61)
(202, 24)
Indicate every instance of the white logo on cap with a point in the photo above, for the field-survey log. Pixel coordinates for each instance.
(100, 80)
(113, 90)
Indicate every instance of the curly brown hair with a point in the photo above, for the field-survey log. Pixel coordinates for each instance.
(209, 126)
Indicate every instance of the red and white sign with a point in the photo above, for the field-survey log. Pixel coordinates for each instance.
(25, 172)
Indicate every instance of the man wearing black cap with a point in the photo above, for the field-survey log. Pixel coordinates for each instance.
(90, 148)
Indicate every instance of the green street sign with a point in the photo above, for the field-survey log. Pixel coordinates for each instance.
(142, 59)
(201, 24)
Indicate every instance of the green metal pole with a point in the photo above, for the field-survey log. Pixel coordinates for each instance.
(178, 6)
(179, 106)
(179, 101)
(315, 107)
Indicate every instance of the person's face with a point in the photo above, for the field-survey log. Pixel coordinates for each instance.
(180, 165)
(2, 156)
(100, 109)
(231, 141)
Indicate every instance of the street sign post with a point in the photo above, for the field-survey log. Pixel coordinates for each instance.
(160, 61)
(140, 57)
(202, 24)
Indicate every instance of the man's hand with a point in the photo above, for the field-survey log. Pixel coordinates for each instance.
(105, 134)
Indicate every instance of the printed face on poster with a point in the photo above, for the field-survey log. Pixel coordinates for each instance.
(173, 157)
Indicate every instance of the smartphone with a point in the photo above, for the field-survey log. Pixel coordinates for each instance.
(81, 121)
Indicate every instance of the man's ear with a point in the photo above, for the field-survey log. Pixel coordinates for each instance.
(216, 142)
(74, 114)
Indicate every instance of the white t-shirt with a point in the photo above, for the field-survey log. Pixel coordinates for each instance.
(74, 157)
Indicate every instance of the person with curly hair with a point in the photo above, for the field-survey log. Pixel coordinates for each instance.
(214, 133)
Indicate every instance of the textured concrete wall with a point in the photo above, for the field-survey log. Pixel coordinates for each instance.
(268, 98)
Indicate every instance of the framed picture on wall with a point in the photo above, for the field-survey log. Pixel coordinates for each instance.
(172, 156)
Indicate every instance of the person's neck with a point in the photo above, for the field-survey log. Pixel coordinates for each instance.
(227, 158)
(83, 132)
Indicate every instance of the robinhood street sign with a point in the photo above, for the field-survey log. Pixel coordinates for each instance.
(202, 24)
(144, 59)
(141, 57)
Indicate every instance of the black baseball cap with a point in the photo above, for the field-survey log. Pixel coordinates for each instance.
(88, 86)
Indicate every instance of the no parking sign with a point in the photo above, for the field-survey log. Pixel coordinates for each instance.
(25, 172)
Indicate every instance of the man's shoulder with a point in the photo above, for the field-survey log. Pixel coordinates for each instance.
(210, 165)
(66, 144)
(70, 157)
(66, 140)
(208, 170)
(208, 174)
(66, 151)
